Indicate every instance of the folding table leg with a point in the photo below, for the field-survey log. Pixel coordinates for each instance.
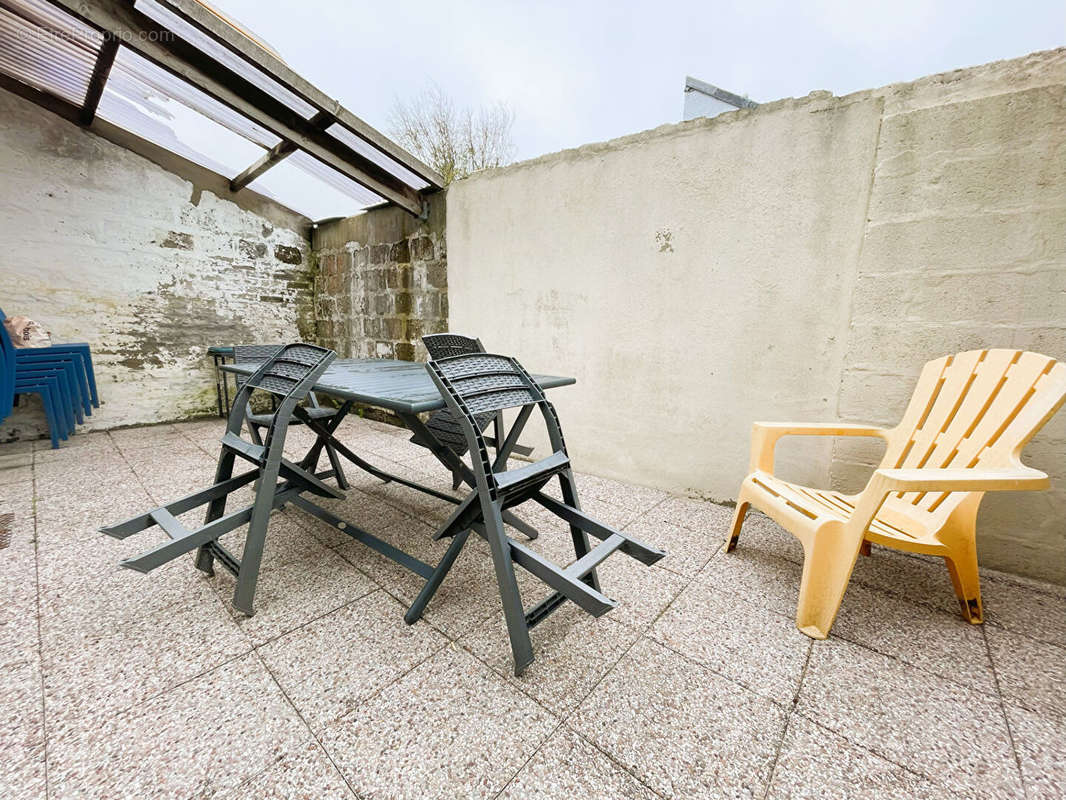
(456, 465)
(218, 385)
(459, 519)
(335, 463)
(324, 429)
(581, 539)
(418, 607)
(225, 392)
(328, 426)
(450, 460)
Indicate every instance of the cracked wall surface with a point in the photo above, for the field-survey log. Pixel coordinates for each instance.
(103, 246)
(800, 261)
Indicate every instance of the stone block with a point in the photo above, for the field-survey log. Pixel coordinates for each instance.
(375, 280)
(250, 249)
(178, 241)
(437, 275)
(398, 277)
(400, 252)
(379, 253)
(422, 249)
(288, 255)
(405, 351)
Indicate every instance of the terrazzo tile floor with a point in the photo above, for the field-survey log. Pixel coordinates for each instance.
(119, 685)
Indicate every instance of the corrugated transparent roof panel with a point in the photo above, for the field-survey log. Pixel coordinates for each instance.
(132, 73)
(57, 55)
(225, 56)
(334, 178)
(303, 187)
(368, 151)
(49, 17)
(141, 107)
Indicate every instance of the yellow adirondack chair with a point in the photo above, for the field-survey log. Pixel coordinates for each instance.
(961, 436)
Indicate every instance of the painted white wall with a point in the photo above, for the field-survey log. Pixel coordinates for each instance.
(104, 246)
(693, 278)
(799, 261)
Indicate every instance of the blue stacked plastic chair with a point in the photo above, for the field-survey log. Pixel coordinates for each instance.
(73, 365)
(55, 380)
(77, 354)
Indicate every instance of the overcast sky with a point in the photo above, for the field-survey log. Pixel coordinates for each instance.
(578, 72)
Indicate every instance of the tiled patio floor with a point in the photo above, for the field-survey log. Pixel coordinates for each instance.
(114, 684)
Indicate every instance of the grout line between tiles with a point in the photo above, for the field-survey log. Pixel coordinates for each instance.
(564, 718)
(255, 644)
(314, 735)
(707, 668)
(788, 719)
(129, 466)
(112, 713)
(40, 646)
(844, 638)
(643, 634)
(532, 755)
(1003, 711)
(373, 695)
(932, 607)
(878, 753)
(617, 763)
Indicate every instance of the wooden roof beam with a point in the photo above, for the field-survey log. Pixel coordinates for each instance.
(224, 33)
(98, 81)
(276, 154)
(119, 20)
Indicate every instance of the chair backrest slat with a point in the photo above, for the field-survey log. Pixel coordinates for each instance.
(483, 382)
(445, 345)
(973, 409)
(287, 368)
(289, 374)
(248, 353)
(479, 383)
(445, 425)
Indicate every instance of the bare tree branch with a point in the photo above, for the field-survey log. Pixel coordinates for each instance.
(455, 142)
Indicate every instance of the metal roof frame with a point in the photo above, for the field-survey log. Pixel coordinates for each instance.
(247, 78)
(725, 96)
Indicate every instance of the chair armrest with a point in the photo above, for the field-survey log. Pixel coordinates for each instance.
(764, 436)
(1016, 478)
(886, 481)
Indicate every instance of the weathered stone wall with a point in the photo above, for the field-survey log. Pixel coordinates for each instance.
(105, 246)
(382, 282)
(799, 261)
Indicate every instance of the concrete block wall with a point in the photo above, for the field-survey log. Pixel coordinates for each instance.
(151, 263)
(382, 282)
(964, 247)
(799, 261)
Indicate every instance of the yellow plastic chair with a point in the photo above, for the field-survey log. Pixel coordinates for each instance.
(961, 436)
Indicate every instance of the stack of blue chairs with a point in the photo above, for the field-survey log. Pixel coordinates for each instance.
(61, 374)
